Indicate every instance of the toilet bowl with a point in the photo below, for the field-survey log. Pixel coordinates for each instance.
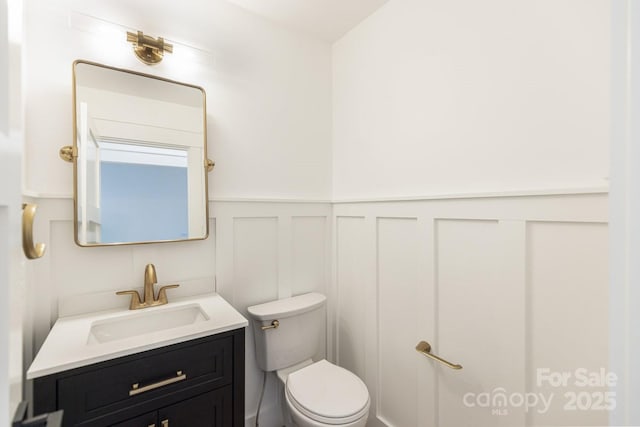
(315, 394)
(323, 394)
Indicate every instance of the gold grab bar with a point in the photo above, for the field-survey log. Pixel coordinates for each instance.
(31, 250)
(136, 389)
(424, 348)
(273, 325)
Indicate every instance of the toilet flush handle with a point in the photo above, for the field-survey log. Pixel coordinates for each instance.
(273, 325)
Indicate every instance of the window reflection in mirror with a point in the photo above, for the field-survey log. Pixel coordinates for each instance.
(141, 151)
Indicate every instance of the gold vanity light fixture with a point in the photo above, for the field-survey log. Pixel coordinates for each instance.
(148, 49)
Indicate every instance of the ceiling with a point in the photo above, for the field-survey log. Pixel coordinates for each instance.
(327, 19)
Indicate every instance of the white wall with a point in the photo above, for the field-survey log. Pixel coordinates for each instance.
(439, 97)
(425, 97)
(502, 285)
(269, 128)
(492, 117)
(268, 91)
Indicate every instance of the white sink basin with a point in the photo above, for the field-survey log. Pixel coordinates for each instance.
(82, 340)
(144, 322)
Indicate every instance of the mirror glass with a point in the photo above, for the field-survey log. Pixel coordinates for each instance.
(140, 158)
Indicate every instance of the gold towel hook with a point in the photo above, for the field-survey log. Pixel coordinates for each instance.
(31, 250)
(424, 348)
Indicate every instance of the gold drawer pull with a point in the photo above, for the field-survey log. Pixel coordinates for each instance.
(136, 389)
(273, 325)
(424, 348)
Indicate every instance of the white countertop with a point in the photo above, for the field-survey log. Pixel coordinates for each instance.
(67, 346)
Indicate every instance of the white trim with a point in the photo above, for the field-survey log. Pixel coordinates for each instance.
(265, 200)
(37, 195)
(482, 195)
(624, 205)
(479, 195)
(135, 153)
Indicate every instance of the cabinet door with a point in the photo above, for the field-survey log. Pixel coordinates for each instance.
(212, 409)
(146, 420)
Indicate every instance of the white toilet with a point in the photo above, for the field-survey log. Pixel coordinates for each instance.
(317, 394)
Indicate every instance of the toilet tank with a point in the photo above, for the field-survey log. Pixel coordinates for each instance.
(301, 324)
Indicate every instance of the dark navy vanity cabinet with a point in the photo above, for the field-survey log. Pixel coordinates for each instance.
(198, 383)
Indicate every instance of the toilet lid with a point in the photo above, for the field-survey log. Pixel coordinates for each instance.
(328, 393)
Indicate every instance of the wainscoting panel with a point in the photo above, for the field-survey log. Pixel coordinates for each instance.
(504, 285)
(309, 254)
(256, 251)
(351, 317)
(480, 320)
(255, 260)
(255, 279)
(309, 262)
(568, 319)
(398, 315)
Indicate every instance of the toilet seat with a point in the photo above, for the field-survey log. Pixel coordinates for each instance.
(327, 393)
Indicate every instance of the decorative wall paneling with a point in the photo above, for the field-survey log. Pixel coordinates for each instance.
(256, 251)
(502, 285)
(439, 270)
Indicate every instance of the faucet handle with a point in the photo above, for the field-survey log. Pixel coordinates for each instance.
(135, 299)
(162, 293)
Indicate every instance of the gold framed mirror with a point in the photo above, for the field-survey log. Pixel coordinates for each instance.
(140, 158)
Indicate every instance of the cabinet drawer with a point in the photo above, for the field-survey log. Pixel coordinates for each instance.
(212, 409)
(141, 379)
(146, 420)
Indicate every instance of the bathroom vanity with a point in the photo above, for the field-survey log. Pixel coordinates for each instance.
(183, 367)
(159, 364)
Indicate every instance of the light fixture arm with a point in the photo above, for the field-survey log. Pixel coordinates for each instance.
(148, 49)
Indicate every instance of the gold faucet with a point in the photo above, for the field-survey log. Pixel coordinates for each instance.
(150, 279)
